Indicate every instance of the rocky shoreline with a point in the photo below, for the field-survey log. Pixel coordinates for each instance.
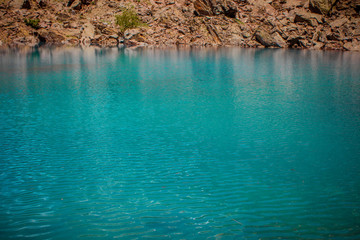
(302, 24)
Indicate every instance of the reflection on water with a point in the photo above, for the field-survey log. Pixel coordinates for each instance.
(221, 143)
(225, 63)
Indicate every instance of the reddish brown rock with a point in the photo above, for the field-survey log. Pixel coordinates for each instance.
(50, 37)
(269, 40)
(215, 7)
(309, 18)
(104, 41)
(357, 6)
(352, 46)
(26, 4)
(203, 8)
(250, 23)
(322, 6)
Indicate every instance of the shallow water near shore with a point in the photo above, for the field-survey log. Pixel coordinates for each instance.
(179, 144)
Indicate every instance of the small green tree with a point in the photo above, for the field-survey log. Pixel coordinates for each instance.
(34, 23)
(128, 20)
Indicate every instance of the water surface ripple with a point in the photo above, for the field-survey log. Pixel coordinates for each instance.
(179, 144)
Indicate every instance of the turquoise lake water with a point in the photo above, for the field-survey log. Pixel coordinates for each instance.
(179, 144)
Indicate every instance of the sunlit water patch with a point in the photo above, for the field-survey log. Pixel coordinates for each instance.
(179, 144)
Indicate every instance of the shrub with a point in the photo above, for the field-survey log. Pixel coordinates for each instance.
(238, 21)
(128, 19)
(34, 23)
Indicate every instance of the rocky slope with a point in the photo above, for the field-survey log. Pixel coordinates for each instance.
(308, 24)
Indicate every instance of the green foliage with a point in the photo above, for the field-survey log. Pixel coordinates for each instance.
(128, 20)
(238, 21)
(34, 23)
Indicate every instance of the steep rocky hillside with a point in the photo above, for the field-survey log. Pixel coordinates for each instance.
(312, 24)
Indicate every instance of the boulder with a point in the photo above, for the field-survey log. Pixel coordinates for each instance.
(63, 17)
(321, 6)
(310, 18)
(87, 34)
(43, 3)
(338, 23)
(88, 31)
(333, 45)
(236, 40)
(215, 7)
(51, 37)
(203, 8)
(295, 41)
(104, 41)
(317, 46)
(70, 2)
(99, 26)
(279, 41)
(77, 5)
(213, 33)
(228, 8)
(253, 44)
(86, 2)
(356, 32)
(72, 41)
(16, 4)
(246, 34)
(352, 46)
(30, 41)
(26, 4)
(334, 35)
(131, 33)
(108, 31)
(320, 36)
(74, 25)
(134, 44)
(357, 6)
(269, 40)
(71, 24)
